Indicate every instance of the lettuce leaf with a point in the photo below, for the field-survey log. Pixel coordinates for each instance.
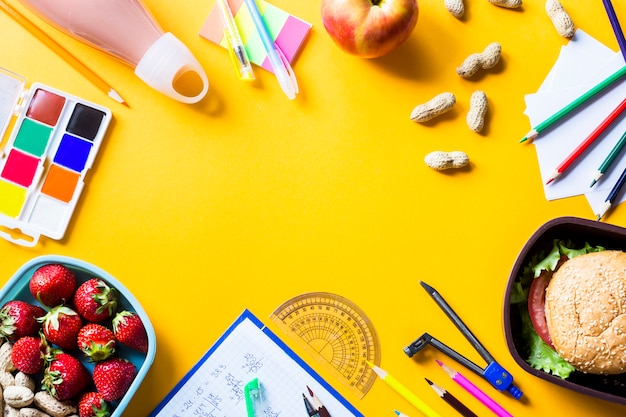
(542, 356)
(549, 262)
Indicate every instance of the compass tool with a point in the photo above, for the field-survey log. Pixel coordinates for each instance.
(336, 332)
(494, 373)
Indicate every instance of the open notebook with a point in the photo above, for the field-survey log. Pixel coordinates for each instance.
(214, 387)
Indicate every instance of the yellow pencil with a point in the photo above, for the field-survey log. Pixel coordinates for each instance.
(404, 392)
(62, 52)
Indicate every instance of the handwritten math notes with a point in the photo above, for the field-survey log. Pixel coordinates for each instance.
(214, 387)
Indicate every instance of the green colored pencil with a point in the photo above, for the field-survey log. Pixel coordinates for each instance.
(604, 166)
(575, 104)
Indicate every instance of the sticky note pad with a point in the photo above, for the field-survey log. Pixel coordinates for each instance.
(288, 31)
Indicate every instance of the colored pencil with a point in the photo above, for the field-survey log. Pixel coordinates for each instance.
(588, 141)
(311, 411)
(78, 65)
(608, 161)
(617, 29)
(585, 97)
(451, 399)
(320, 407)
(475, 391)
(399, 414)
(610, 199)
(404, 391)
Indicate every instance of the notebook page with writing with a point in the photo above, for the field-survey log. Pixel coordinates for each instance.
(214, 387)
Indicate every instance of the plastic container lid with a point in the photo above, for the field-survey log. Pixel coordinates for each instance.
(166, 61)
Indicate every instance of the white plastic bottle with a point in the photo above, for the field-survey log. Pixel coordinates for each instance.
(127, 30)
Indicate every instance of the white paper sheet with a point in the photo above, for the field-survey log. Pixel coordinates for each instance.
(583, 63)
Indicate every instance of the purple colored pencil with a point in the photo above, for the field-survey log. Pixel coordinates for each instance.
(617, 29)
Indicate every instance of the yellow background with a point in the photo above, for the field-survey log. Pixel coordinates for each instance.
(248, 199)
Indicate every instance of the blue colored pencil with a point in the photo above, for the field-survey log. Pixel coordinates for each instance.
(617, 29)
(610, 199)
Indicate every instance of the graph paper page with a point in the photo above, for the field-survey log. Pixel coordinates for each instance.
(215, 386)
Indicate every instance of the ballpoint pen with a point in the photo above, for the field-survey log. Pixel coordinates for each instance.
(280, 65)
(236, 49)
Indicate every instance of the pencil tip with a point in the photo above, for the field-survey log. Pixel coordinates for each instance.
(550, 180)
(310, 391)
(117, 97)
(593, 183)
(429, 381)
(397, 412)
(529, 136)
(427, 287)
(439, 362)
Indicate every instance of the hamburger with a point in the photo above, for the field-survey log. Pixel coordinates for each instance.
(585, 310)
(572, 304)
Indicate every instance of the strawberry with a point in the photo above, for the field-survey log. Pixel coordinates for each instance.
(130, 331)
(65, 377)
(113, 377)
(28, 354)
(92, 404)
(96, 341)
(19, 318)
(61, 326)
(95, 300)
(52, 284)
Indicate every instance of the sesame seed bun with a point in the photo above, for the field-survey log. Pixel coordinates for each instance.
(586, 312)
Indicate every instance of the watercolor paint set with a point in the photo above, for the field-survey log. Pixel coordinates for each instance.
(53, 140)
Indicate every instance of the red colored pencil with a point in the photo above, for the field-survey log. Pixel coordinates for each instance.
(588, 141)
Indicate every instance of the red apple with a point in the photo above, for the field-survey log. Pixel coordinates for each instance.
(369, 28)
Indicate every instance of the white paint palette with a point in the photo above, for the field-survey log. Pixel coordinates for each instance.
(50, 148)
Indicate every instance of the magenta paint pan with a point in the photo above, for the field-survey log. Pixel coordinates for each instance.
(47, 153)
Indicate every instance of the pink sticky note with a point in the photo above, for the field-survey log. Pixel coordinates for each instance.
(288, 31)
